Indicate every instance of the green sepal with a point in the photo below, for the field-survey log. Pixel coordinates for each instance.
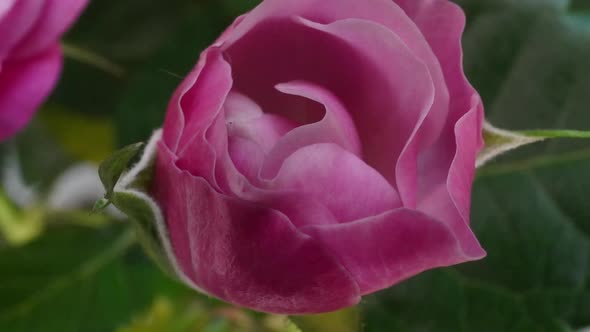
(142, 216)
(111, 169)
(499, 141)
(127, 185)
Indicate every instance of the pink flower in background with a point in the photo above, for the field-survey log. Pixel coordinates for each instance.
(30, 57)
(321, 150)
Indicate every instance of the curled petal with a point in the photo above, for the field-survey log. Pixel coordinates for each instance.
(447, 168)
(335, 127)
(197, 104)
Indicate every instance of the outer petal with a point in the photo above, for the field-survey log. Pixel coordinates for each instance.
(56, 17)
(18, 19)
(383, 250)
(186, 101)
(450, 200)
(246, 254)
(442, 23)
(175, 121)
(197, 105)
(5, 7)
(450, 163)
(24, 85)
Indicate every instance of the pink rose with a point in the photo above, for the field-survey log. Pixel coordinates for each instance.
(30, 57)
(321, 150)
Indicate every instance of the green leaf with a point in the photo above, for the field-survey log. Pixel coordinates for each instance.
(112, 168)
(530, 207)
(76, 279)
(443, 301)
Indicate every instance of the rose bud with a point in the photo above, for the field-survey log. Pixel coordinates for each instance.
(30, 56)
(320, 150)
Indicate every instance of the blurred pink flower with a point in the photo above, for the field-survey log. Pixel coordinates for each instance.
(322, 150)
(30, 57)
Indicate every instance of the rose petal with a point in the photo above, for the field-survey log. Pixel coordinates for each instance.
(442, 24)
(244, 118)
(337, 179)
(174, 121)
(24, 85)
(56, 17)
(16, 23)
(206, 85)
(236, 171)
(384, 12)
(383, 250)
(196, 108)
(246, 254)
(412, 90)
(450, 201)
(204, 100)
(239, 107)
(247, 156)
(335, 127)
(5, 7)
(468, 142)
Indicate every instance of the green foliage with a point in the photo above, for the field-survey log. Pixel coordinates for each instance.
(76, 279)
